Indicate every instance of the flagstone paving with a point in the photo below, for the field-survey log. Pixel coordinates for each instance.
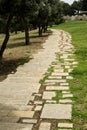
(25, 104)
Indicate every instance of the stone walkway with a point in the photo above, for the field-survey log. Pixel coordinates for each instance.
(25, 104)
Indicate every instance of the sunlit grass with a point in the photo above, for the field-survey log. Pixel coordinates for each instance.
(78, 86)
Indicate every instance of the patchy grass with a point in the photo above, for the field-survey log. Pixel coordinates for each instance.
(78, 30)
(58, 95)
(47, 74)
(17, 53)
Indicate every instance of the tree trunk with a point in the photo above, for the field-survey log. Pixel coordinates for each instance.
(27, 39)
(40, 30)
(27, 36)
(6, 36)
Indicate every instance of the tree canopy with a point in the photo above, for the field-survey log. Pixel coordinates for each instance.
(21, 15)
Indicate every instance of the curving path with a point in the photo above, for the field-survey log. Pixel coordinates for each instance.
(25, 104)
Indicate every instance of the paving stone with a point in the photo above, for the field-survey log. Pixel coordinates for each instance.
(38, 102)
(28, 114)
(48, 95)
(21, 107)
(57, 66)
(67, 95)
(57, 88)
(64, 84)
(75, 63)
(49, 84)
(69, 59)
(65, 92)
(70, 70)
(56, 81)
(54, 77)
(74, 66)
(58, 70)
(56, 111)
(63, 57)
(66, 63)
(60, 74)
(67, 67)
(64, 129)
(65, 101)
(9, 119)
(4, 112)
(69, 77)
(29, 121)
(50, 101)
(38, 108)
(37, 94)
(65, 125)
(45, 126)
(15, 126)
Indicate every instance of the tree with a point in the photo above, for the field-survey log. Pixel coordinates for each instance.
(6, 10)
(77, 6)
(21, 9)
(66, 9)
(43, 15)
(56, 13)
(84, 5)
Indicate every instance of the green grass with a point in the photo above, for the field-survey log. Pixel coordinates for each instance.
(58, 95)
(47, 74)
(78, 86)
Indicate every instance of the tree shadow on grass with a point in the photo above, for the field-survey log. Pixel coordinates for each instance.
(14, 45)
(18, 38)
(10, 66)
(22, 44)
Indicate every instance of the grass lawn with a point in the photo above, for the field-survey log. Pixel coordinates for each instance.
(78, 30)
(17, 53)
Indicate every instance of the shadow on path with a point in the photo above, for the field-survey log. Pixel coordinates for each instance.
(10, 66)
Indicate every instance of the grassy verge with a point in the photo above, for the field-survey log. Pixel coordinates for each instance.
(78, 30)
(17, 53)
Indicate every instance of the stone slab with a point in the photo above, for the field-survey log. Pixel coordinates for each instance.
(65, 125)
(15, 126)
(64, 129)
(65, 92)
(29, 121)
(45, 126)
(4, 112)
(75, 63)
(55, 81)
(58, 70)
(57, 88)
(69, 77)
(37, 94)
(69, 60)
(65, 101)
(67, 95)
(56, 111)
(38, 108)
(48, 95)
(50, 101)
(67, 67)
(38, 102)
(60, 74)
(28, 114)
(64, 84)
(9, 119)
(54, 77)
(70, 70)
